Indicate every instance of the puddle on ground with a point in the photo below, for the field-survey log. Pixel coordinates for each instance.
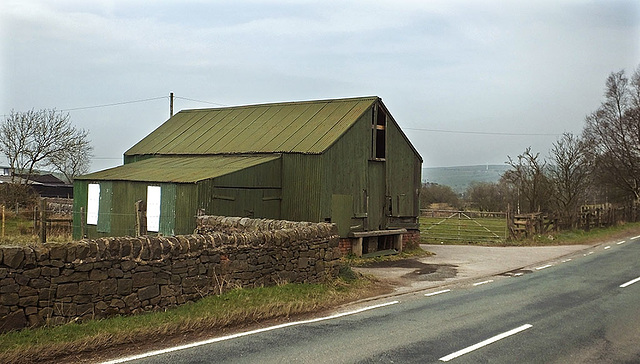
(422, 271)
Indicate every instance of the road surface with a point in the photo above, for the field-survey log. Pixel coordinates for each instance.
(583, 308)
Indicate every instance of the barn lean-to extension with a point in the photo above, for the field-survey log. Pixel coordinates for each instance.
(344, 161)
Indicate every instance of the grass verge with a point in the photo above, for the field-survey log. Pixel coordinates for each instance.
(209, 316)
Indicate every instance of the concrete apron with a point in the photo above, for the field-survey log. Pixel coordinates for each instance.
(453, 264)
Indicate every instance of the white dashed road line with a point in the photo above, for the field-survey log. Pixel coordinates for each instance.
(607, 247)
(483, 282)
(544, 266)
(485, 343)
(566, 260)
(438, 292)
(621, 242)
(635, 237)
(630, 282)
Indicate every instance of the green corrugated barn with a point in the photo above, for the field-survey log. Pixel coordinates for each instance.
(344, 160)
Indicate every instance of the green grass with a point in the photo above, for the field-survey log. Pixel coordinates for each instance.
(18, 230)
(461, 230)
(209, 315)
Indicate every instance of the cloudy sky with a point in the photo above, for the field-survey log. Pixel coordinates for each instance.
(470, 82)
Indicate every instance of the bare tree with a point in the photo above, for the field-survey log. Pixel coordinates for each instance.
(613, 135)
(569, 174)
(488, 196)
(40, 138)
(528, 177)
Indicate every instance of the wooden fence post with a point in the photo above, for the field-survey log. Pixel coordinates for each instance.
(83, 232)
(141, 218)
(43, 221)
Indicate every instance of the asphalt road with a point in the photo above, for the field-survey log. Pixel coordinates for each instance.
(571, 310)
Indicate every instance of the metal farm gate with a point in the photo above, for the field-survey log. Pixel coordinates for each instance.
(463, 226)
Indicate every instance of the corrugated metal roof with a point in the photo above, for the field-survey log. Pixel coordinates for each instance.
(179, 169)
(292, 127)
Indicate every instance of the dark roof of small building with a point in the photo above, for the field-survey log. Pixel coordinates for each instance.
(179, 169)
(309, 127)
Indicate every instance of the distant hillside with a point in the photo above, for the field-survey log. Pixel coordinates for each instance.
(459, 178)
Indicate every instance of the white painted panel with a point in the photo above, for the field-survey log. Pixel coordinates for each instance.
(93, 203)
(153, 208)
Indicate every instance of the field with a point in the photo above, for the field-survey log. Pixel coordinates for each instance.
(19, 229)
(463, 228)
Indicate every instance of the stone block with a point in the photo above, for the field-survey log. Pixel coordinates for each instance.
(56, 263)
(13, 257)
(39, 283)
(46, 294)
(125, 287)
(115, 273)
(27, 291)
(32, 273)
(108, 287)
(82, 299)
(132, 301)
(127, 265)
(9, 299)
(11, 287)
(148, 292)
(84, 309)
(88, 288)
(50, 272)
(101, 305)
(30, 301)
(58, 252)
(13, 321)
(21, 279)
(84, 267)
(98, 275)
(143, 279)
(67, 290)
(117, 303)
(3, 272)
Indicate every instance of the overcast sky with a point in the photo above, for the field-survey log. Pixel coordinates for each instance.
(456, 75)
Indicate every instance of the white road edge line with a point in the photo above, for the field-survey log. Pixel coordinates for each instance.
(247, 333)
(630, 282)
(544, 266)
(566, 260)
(607, 247)
(635, 237)
(435, 293)
(518, 274)
(485, 343)
(622, 242)
(483, 282)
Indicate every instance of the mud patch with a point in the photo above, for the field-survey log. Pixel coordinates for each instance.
(421, 271)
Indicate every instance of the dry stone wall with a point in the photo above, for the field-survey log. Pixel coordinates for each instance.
(90, 279)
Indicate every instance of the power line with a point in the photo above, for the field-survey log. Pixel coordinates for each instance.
(115, 104)
(204, 102)
(481, 132)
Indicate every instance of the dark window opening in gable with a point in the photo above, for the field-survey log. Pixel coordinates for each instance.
(379, 134)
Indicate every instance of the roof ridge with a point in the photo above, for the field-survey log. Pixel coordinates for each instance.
(283, 103)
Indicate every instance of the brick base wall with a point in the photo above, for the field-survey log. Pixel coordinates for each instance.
(411, 239)
(345, 246)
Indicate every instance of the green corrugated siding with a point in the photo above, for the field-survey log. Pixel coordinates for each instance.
(295, 127)
(104, 211)
(79, 207)
(403, 174)
(303, 182)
